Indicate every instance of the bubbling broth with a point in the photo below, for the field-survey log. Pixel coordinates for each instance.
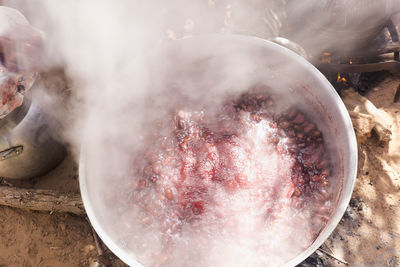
(247, 185)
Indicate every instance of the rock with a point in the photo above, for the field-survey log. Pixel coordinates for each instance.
(366, 117)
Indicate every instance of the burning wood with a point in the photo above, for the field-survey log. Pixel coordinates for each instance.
(341, 79)
(326, 57)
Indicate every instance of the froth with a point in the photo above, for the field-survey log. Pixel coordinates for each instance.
(245, 217)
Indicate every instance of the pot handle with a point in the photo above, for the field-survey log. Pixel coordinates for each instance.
(11, 152)
(290, 45)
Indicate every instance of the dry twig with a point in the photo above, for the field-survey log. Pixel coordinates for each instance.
(97, 242)
(332, 256)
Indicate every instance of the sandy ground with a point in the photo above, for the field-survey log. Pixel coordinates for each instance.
(29, 238)
(43, 239)
(369, 233)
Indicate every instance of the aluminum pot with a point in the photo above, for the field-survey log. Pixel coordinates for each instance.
(338, 26)
(292, 77)
(27, 146)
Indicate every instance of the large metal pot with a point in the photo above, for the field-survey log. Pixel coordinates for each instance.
(289, 75)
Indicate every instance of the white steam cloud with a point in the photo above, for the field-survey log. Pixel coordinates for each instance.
(113, 53)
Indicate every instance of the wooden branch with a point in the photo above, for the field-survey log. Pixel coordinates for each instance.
(41, 200)
(389, 48)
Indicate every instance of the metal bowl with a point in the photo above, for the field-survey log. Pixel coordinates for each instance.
(292, 77)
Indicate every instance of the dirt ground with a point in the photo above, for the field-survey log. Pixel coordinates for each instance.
(369, 233)
(30, 238)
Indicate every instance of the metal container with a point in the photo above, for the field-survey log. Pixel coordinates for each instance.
(338, 26)
(289, 75)
(27, 147)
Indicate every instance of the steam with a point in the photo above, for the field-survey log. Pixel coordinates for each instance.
(335, 26)
(125, 80)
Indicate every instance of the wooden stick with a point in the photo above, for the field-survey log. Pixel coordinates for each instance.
(41, 200)
(97, 242)
(332, 256)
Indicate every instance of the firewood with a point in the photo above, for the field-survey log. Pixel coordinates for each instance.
(41, 200)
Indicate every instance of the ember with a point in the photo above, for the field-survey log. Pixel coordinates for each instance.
(341, 79)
